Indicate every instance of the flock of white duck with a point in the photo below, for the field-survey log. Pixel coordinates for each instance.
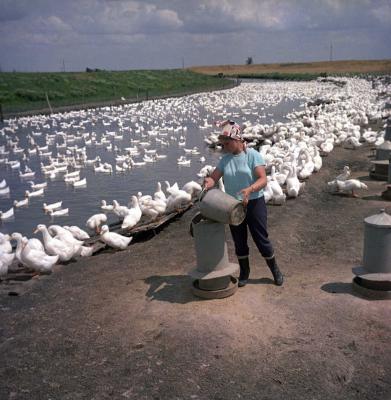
(292, 150)
(63, 243)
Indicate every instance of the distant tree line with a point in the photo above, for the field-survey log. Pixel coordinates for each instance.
(93, 70)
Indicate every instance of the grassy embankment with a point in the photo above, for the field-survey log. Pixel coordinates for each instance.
(300, 71)
(21, 92)
(27, 91)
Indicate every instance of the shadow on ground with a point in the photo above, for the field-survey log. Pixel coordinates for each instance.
(342, 288)
(262, 281)
(375, 198)
(170, 288)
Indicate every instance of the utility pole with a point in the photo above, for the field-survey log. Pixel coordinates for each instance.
(183, 62)
(331, 51)
(63, 65)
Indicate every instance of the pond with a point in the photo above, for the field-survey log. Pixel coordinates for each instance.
(170, 126)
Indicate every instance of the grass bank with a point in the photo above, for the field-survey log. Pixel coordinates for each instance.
(299, 71)
(23, 92)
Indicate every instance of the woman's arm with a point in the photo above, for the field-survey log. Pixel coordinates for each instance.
(211, 180)
(259, 184)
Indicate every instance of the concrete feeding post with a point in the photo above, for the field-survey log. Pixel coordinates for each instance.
(214, 274)
(380, 166)
(373, 278)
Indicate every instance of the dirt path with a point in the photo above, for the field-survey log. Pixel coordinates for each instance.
(125, 325)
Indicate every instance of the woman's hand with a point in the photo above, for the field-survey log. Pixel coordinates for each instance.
(209, 183)
(246, 194)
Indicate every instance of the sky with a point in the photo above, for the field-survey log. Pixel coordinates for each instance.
(70, 35)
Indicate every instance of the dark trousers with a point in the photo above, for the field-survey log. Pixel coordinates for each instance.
(256, 220)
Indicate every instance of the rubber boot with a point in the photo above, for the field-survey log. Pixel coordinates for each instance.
(277, 275)
(244, 271)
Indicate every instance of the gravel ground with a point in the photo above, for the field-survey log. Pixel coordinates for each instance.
(125, 325)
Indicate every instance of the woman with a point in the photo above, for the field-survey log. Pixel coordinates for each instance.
(244, 178)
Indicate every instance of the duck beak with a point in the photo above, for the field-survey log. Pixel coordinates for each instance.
(35, 231)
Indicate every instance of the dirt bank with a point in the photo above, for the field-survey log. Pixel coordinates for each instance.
(125, 325)
(330, 67)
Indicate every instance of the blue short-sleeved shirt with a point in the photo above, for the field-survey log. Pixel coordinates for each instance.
(238, 172)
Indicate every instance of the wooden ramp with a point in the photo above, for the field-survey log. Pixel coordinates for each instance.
(142, 231)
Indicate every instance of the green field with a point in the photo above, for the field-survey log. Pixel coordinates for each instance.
(21, 92)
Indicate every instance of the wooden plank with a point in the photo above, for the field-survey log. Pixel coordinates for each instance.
(139, 230)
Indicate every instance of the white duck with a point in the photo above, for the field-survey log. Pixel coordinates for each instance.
(35, 193)
(80, 183)
(51, 207)
(205, 171)
(37, 260)
(142, 198)
(279, 196)
(36, 186)
(77, 233)
(293, 185)
(317, 159)
(306, 169)
(95, 221)
(153, 208)
(159, 194)
(193, 188)
(113, 239)
(106, 207)
(55, 246)
(21, 203)
(307, 165)
(33, 243)
(350, 185)
(267, 193)
(63, 234)
(133, 216)
(327, 146)
(344, 175)
(120, 211)
(5, 245)
(4, 191)
(6, 260)
(7, 214)
(351, 143)
(177, 199)
(58, 213)
(281, 176)
(168, 186)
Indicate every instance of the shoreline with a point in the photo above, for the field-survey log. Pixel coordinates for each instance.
(109, 103)
(28, 94)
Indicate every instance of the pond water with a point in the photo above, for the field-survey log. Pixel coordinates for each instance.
(162, 124)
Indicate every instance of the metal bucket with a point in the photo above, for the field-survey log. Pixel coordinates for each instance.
(219, 206)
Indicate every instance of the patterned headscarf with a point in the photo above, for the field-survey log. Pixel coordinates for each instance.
(230, 130)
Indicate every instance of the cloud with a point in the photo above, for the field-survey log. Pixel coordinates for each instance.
(383, 14)
(127, 17)
(158, 31)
